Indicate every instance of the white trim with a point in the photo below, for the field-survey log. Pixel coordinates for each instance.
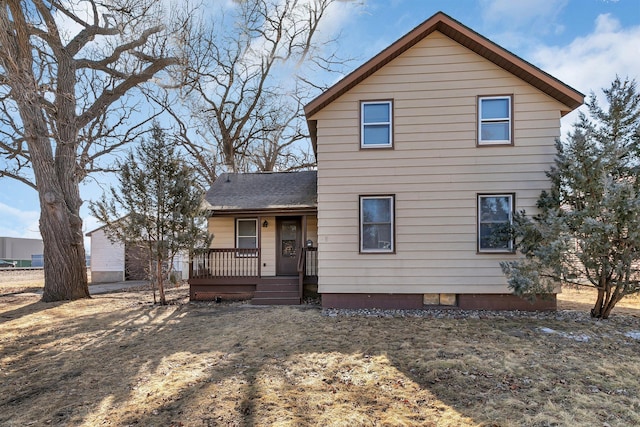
(363, 124)
(237, 231)
(506, 120)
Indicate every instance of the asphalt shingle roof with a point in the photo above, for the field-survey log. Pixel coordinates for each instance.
(261, 191)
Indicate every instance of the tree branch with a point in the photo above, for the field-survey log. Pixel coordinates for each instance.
(109, 96)
(17, 177)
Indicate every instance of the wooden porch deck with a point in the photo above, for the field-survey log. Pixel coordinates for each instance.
(235, 273)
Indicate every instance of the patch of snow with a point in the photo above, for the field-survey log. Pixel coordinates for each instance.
(579, 338)
(633, 334)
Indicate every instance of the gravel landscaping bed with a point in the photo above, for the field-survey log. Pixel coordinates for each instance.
(559, 315)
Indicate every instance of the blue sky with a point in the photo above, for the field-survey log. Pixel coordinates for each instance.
(584, 43)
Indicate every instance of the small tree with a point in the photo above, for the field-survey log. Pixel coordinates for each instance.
(160, 197)
(588, 230)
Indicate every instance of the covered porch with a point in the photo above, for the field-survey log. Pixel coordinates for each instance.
(235, 273)
(264, 245)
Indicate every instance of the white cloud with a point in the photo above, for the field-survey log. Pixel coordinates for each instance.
(591, 62)
(19, 223)
(540, 15)
(337, 17)
(333, 21)
(516, 25)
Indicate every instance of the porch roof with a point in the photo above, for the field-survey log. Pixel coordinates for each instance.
(263, 191)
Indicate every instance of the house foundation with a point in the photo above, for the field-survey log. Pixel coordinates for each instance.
(416, 302)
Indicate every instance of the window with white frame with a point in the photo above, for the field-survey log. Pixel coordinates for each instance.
(376, 127)
(246, 233)
(495, 214)
(377, 224)
(494, 120)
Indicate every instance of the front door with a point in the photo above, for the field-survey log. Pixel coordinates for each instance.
(288, 244)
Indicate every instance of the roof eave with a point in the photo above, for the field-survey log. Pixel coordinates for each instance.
(466, 37)
(225, 210)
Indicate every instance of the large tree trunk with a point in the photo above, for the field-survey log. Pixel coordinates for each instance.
(65, 271)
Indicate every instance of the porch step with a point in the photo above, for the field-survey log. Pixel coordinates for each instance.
(272, 287)
(280, 281)
(276, 294)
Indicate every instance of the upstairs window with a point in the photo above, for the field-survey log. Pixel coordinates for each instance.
(495, 121)
(376, 124)
(377, 224)
(495, 213)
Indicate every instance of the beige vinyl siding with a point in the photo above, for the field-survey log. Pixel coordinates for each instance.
(312, 229)
(435, 172)
(268, 247)
(223, 230)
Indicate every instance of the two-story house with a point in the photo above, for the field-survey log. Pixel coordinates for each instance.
(423, 153)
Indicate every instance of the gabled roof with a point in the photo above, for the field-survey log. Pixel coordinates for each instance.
(89, 233)
(467, 38)
(263, 191)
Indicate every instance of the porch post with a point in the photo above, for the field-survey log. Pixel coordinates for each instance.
(303, 259)
(304, 230)
(259, 246)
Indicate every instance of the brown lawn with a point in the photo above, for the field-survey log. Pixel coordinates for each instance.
(117, 360)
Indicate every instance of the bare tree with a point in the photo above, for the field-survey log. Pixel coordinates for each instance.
(277, 144)
(69, 71)
(246, 84)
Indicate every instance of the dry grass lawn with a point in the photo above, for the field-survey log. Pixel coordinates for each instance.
(117, 360)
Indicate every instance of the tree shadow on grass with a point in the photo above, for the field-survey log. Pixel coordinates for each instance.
(22, 290)
(27, 304)
(64, 371)
(200, 364)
